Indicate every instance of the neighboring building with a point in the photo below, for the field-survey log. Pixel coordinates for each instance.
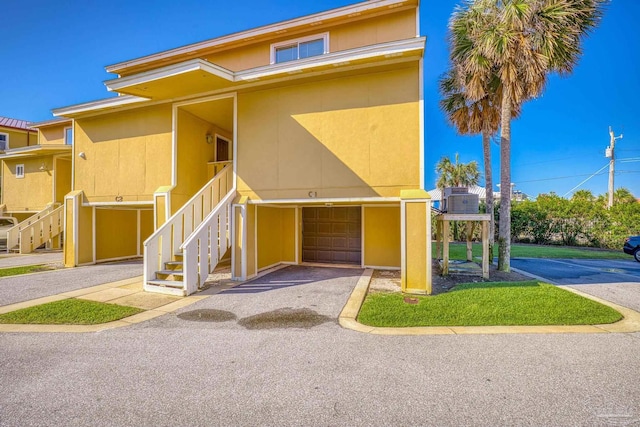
(300, 141)
(36, 177)
(16, 133)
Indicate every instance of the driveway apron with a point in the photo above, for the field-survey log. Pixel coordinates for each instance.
(292, 297)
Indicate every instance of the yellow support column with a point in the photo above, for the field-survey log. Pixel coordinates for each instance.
(415, 212)
(78, 236)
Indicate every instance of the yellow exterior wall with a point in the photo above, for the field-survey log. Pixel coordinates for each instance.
(128, 154)
(382, 236)
(85, 234)
(146, 227)
(416, 280)
(20, 138)
(347, 137)
(394, 26)
(238, 246)
(116, 233)
(62, 178)
(193, 155)
(52, 135)
(69, 234)
(34, 191)
(276, 236)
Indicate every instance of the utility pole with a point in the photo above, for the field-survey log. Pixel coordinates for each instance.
(611, 155)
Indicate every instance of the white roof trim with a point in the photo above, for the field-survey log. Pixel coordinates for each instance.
(51, 122)
(34, 150)
(278, 28)
(169, 71)
(325, 200)
(117, 101)
(338, 58)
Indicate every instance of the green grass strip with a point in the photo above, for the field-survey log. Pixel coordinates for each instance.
(69, 312)
(25, 269)
(459, 251)
(488, 304)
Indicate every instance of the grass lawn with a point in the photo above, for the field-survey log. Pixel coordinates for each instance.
(488, 304)
(459, 251)
(14, 271)
(69, 312)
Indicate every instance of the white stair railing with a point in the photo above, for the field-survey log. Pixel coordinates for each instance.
(167, 240)
(40, 231)
(13, 234)
(206, 245)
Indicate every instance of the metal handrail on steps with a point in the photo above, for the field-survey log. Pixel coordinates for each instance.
(161, 246)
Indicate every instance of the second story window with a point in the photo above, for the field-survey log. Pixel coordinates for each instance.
(305, 47)
(19, 171)
(4, 141)
(68, 136)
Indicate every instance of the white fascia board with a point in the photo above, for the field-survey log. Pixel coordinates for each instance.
(276, 29)
(344, 57)
(169, 71)
(51, 122)
(117, 101)
(34, 150)
(316, 201)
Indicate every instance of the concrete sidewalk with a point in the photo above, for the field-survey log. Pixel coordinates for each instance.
(8, 260)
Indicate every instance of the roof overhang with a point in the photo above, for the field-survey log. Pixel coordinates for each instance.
(198, 76)
(36, 150)
(52, 122)
(102, 105)
(344, 14)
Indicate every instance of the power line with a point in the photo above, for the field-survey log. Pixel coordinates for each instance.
(559, 177)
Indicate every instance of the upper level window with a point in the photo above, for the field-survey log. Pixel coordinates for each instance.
(19, 171)
(68, 136)
(4, 141)
(301, 48)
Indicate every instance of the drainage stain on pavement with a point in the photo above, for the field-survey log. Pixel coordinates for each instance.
(207, 315)
(285, 318)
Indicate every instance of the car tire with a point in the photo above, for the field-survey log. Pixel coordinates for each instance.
(636, 254)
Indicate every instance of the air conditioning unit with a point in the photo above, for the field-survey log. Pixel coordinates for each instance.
(458, 200)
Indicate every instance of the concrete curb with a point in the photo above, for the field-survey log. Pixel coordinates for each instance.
(347, 319)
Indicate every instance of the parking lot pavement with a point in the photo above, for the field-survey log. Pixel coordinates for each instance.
(580, 271)
(15, 289)
(40, 257)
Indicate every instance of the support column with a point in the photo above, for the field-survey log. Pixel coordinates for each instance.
(415, 211)
(78, 236)
(243, 255)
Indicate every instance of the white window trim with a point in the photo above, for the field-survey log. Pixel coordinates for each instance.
(324, 36)
(20, 168)
(65, 135)
(6, 135)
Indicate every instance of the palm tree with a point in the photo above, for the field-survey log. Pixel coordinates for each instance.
(456, 174)
(521, 42)
(472, 118)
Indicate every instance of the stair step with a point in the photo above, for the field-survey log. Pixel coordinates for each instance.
(175, 263)
(166, 283)
(170, 272)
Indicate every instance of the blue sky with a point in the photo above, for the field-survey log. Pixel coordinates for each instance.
(55, 54)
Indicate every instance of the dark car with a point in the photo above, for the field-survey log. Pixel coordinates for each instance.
(632, 247)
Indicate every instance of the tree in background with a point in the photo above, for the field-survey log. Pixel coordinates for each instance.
(521, 42)
(456, 175)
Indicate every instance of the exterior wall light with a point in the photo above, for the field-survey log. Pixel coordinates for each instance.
(82, 155)
(209, 138)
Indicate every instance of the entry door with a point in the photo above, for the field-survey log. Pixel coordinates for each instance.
(332, 235)
(222, 150)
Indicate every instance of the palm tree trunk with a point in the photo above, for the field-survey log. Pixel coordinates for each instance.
(504, 236)
(486, 149)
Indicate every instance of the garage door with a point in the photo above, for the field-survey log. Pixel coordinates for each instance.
(331, 235)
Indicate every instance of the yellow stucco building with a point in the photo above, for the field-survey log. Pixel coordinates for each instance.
(297, 142)
(36, 175)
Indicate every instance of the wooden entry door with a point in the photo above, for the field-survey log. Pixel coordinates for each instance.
(332, 235)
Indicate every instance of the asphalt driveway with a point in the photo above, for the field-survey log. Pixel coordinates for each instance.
(617, 281)
(270, 352)
(580, 271)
